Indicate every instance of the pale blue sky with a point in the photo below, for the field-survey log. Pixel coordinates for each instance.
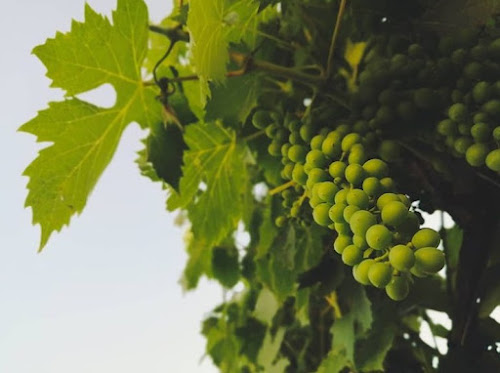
(103, 296)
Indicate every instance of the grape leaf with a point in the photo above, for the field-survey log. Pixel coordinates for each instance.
(213, 24)
(267, 356)
(198, 264)
(334, 362)
(84, 136)
(233, 101)
(216, 158)
(356, 321)
(266, 306)
(225, 266)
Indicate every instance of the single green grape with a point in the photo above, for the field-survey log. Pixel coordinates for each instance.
(426, 237)
(320, 214)
(317, 141)
(481, 132)
(461, 144)
(299, 175)
(378, 237)
(349, 140)
(314, 201)
(354, 174)
(341, 196)
(360, 271)
(493, 160)
(261, 119)
(326, 190)
(360, 221)
(316, 159)
(404, 199)
(371, 186)
(390, 151)
(447, 127)
(274, 148)
(380, 274)
(306, 132)
(341, 242)
(280, 221)
(297, 153)
(357, 155)
(337, 169)
(476, 154)
(458, 112)
(352, 255)
(398, 288)
(387, 184)
(288, 171)
(429, 260)
(342, 228)
(358, 198)
(482, 92)
(385, 198)
(496, 133)
(316, 175)
(336, 213)
(348, 211)
(360, 242)
(331, 145)
(394, 213)
(401, 257)
(376, 167)
(492, 107)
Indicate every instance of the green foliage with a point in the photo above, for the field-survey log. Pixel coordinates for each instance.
(323, 149)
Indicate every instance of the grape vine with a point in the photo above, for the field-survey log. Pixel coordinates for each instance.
(324, 129)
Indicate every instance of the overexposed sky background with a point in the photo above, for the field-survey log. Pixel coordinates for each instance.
(103, 295)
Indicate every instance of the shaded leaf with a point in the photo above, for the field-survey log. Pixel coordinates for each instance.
(225, 266)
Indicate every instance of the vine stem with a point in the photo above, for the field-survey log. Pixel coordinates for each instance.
(329, 66)
(281, 188)
(254, 135)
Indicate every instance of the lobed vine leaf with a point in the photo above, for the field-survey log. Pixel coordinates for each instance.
(84, 136)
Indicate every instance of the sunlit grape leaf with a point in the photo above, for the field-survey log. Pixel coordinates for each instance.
(198, 263)
(334, 362)
(84, 136)
(216, 158)
(267, 357)
(213, 24)
(266, 306)
(233, 101)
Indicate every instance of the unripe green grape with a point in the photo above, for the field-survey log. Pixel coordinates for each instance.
(316, 158)
(294, 138)
(480, 117)
(360, 271)
(295, 211)
(331, 145)
(271, 130)
(481, 132)
(337, 169)
(416, 51)
(349, 140)
(496, 133)
(358, 198)
(447, 127)
(360, 242)
(320, 214)
(378, 237)
(299, 175)
(336, 213)
(387, 184)
(343, 129)
(394, 213)
(481, 92)
(389, 151)
(288, 195)
(284, 150)
(280, 221)
(360, 222)
(261, 119)
(458, 112)
(405, 200)
(398, 288)
(384, 115)
(492, 107)
(314, 201)
(342, 228)
(380, 274)
(371, 186)
(354, 174)
(361, 127)
(357, 154)
(297, 153)
(429, 260)
(493, 160)
(274, 148)
(462, 144)
(281, 135)
(426, 237)
(326, 191)
(348, 211)
(376, 167)
(476, 154)
(341, 196)
(317, 141)
(294, 125)
(385, 198)
(341, 242)
(315, 176)
(288, 171)
(417, 273)
(401, 257)
(474, 71)
(352, 255)
(306, 132)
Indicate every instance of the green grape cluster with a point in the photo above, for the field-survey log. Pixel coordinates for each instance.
(351, 192)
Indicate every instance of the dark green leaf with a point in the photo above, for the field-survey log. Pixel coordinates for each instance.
(225, 266)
